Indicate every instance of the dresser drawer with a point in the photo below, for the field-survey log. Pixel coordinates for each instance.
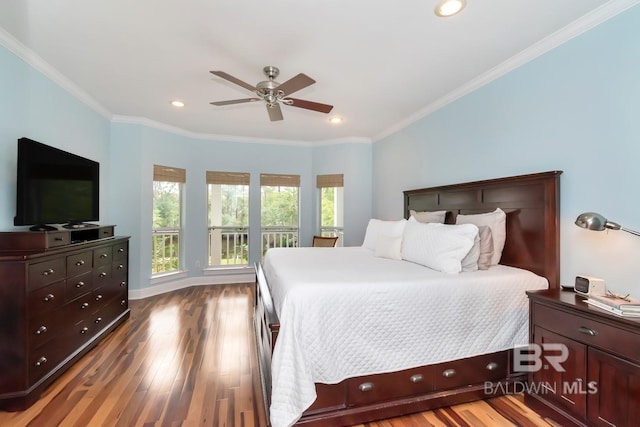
(79, 263)
(80, 308)
(120, 251)
(102, 256)
(458, 373)
(58, 238)
(47, 299)
(45, 327)
(375, 388)
(43, 273)
(589, 331)
(42, 360)
(78, 285)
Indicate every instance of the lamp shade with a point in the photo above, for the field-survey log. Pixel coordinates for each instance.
(595, 221)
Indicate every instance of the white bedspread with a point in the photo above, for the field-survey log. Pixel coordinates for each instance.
(344, 313)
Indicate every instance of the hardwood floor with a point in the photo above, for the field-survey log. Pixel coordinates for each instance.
(187, 358)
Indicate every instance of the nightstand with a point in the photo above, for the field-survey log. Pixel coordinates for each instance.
(599, 382)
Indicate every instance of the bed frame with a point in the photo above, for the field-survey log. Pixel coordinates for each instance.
(532, 205)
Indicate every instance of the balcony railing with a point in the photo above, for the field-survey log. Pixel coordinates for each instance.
(226, 246)
(165, 246)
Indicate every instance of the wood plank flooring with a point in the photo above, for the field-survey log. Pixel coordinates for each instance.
(187, 358)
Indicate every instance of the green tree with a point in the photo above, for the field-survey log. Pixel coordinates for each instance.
(279, 206)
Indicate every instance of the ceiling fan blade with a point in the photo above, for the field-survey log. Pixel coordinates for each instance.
(310, 105)
(234, 101)
(296, 83)
(232, 79)
(275, 113)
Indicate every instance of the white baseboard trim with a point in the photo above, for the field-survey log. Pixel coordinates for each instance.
(174, 285)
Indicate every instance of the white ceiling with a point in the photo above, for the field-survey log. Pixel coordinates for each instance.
(381, 64)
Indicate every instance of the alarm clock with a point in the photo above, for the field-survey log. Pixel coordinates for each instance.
(586, 285)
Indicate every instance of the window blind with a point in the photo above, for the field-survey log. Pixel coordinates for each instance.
(227, 178)
(334, 180)
(276, 180)
(169, 174)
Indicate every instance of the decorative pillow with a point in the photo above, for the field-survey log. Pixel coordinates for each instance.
(497, 221)
(424, 216)
(378, 227)
(479, 257)
(389, 247)
(438, 246)
(486, 247)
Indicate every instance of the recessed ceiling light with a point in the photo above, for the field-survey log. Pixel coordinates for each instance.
(177, 103)
(449, 7)
(335, 120)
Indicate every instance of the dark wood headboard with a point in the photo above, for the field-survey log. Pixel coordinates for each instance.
(532, 205)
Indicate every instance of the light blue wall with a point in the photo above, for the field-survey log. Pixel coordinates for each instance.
(34, 107)
(576, 109)
(354, 161)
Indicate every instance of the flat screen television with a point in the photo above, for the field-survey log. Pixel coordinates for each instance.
(55, 187)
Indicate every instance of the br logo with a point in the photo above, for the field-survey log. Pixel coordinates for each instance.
(532, 357)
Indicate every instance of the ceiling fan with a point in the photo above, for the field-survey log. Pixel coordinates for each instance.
(274, 93)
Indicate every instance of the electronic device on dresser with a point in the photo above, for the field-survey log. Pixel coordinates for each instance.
(586, 285)
(55, 187)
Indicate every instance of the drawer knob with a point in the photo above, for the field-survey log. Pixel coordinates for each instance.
(492, 366)
(84, 330)
(587, 331)
(417, 378)
(41, 361)
(123, 303)
(103, 256)
(449, 373)
(123, 284)
(98, 297)
(98, 320)
(49, 297)
(120, 250)
(365, 387)
(48, 272)
(79, 263)
(103, 274)
(120, 267)
(41, 330)
(84, 305)
(79, 285)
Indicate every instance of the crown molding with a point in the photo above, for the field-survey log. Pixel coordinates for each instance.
(579, 26)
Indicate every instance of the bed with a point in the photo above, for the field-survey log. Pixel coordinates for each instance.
(423, 373)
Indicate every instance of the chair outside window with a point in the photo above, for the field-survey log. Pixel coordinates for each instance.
(324, 242)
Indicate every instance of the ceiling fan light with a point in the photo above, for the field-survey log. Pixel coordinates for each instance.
(449, 7)
(335, 120)
(178, 104)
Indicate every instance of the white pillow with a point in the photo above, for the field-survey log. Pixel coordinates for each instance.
(389, 247)
(424, 216)
(438, 246)
(378, 227)
(497, 221)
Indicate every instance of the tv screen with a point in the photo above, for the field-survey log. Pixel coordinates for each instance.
(55, 187)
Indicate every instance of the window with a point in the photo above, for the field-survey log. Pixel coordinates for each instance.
(228, 218)
(331, 205)
(279, 210)
(167, 226)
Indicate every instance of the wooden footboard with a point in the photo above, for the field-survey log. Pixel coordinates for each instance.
(373, 397)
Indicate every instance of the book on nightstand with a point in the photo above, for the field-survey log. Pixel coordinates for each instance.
(622, 306)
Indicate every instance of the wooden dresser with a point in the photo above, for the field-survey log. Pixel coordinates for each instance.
(599, 384)
(61, 292)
